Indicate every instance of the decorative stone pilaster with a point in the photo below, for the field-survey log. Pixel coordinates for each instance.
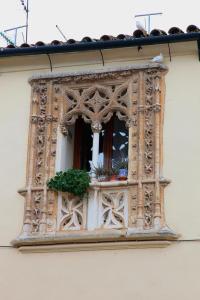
(41, 159)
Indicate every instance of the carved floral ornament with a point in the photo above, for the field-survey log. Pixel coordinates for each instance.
(96, 104)
(131, 209)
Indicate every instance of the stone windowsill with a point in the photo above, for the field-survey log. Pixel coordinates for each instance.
(94, 246)
(96, 236)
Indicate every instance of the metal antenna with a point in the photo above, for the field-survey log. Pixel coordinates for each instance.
(149, 19)
(61, 33)
(15, 29)
(6, 38)
(26, 9)
(23, 37)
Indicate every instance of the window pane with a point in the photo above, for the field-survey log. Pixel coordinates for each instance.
(120, 140)
(113, 144)
(82, 145)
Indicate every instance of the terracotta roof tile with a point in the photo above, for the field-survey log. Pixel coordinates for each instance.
(175, 30)
(71, 41)
(192, 28)
(157, 32)
(139, 33)
(106, 37)
(25, 45)
(124, 36)
(40, 43)
(136, 34)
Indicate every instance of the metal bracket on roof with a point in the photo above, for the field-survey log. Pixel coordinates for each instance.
(198, 45)
(103, 63)
(50, 63)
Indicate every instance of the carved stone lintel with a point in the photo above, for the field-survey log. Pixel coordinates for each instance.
(96, 104)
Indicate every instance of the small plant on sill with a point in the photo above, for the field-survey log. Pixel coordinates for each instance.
(101, 173)
(122, 166)
(113, 173)
(105, 174)
(73, 181)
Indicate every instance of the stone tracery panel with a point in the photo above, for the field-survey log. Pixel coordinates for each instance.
(72, 213)
(96, 103)
(137, 97)
(113, 209)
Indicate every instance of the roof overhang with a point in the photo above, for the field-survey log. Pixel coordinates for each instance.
(101, 45)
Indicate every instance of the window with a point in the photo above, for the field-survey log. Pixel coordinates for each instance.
(112, 144)
(83, 141)
(97, 117)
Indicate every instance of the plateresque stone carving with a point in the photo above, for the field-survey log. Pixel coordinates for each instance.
(113, 209)
(137, 97)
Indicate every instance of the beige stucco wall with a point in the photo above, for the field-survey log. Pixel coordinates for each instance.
(172, 272)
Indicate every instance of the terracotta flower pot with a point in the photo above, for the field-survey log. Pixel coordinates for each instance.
(113, 177)
(123, 173)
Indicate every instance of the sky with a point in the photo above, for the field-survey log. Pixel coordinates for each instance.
(79, 18)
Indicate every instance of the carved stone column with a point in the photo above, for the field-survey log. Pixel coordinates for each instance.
(41, 159)
(150, 148)
(133, 149)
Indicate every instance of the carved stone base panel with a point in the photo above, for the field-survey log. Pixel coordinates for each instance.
(149, 205)
(36, 209)
(52, 199)
(133, 205)
(27, 223)
(161, 206)
(72, 212)
(113, 209)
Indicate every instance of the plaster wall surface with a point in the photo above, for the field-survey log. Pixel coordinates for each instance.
(172, 272)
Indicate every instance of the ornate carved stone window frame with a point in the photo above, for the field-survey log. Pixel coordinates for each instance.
(128, 210)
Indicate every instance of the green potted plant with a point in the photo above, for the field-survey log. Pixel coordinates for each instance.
(73, 181)
(101, 173)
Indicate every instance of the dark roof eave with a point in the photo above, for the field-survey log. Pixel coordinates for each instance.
(97, 45)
